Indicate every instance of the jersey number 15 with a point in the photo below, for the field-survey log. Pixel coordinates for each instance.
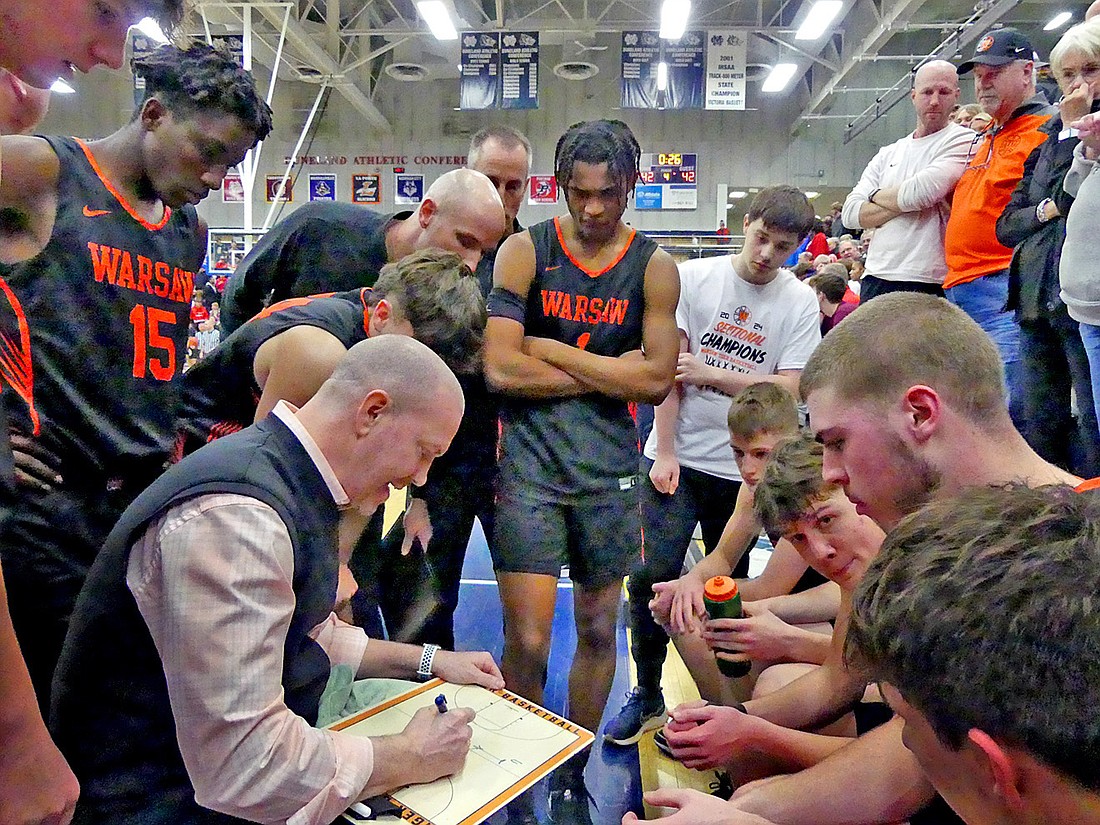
(146, 322)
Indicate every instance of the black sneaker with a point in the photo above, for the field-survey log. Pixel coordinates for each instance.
(722, 786)
(525, 817)
(661, 742)
(640, 714)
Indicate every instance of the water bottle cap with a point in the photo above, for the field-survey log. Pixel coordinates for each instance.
(720, 589)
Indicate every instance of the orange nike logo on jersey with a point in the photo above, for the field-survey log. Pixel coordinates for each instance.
(552, 268)
(95, 213)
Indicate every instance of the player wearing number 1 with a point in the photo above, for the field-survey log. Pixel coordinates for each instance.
(97, 256)
(581, 321)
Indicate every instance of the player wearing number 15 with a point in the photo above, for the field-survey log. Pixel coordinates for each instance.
(98, 245)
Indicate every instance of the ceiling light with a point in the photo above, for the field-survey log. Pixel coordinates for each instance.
(1059, 20)
(151, 29)
(662, 76)
(62, 88)
(438, 18)
(821, 15)
(779, 78)
(674, 18)
(737, 194)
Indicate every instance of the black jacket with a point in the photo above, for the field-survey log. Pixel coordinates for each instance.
(1033, 272)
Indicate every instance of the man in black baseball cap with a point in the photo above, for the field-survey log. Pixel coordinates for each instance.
(977, 262)
(998, 47)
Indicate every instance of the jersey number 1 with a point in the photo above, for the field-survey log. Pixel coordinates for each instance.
(147, 335)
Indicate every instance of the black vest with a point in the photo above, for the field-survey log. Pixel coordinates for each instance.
(111, 714)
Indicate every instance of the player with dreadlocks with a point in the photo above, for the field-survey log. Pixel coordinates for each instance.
(581, 322)
(98, 245)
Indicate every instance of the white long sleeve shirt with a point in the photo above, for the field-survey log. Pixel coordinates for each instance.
(910, 246)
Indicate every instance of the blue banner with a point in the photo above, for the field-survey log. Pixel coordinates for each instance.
(519, 70)
(408, 190)
(642, 51)
(686, 71)
(322, 187)
(479, 84)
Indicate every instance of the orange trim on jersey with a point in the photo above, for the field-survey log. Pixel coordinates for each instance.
(118, 195)
(590, 273)
(16, 364)
(1085, 486)
(287, 304)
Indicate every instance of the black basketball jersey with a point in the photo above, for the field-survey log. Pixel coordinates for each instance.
(95, 325)
(572, 446)
(220, 394)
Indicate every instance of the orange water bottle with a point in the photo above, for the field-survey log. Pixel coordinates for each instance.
(723, 601)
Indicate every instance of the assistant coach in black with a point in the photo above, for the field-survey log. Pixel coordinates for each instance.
(100, 242)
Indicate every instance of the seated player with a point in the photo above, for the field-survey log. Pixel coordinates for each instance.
(290, 349)
(979, 617)
(770, 734)
(760, 416)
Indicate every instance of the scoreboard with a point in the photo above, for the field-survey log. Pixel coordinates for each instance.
(667, 181)
(668, 167)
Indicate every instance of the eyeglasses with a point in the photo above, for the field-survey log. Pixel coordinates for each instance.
(1088, 73)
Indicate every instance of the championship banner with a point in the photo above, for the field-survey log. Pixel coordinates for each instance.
(140, 47)
(686, 76)
(366, 189)
(479, 80)
(642, 51)
(519, 70)
(408, 189)
(543, 189)
(727, 55)
(638, 69)
(322, 187)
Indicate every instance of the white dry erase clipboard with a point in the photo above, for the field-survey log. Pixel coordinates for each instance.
(515, 744)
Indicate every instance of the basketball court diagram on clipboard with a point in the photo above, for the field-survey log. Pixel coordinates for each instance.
(515, 743)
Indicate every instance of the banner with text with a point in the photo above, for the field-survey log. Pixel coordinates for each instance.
(726, 59)
(519, 70)
(366, 189)
(408, 190)
(642, 51)
(479, 83)
(322, 187)
(232, 189)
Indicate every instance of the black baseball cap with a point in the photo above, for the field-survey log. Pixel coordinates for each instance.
(998, 47)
